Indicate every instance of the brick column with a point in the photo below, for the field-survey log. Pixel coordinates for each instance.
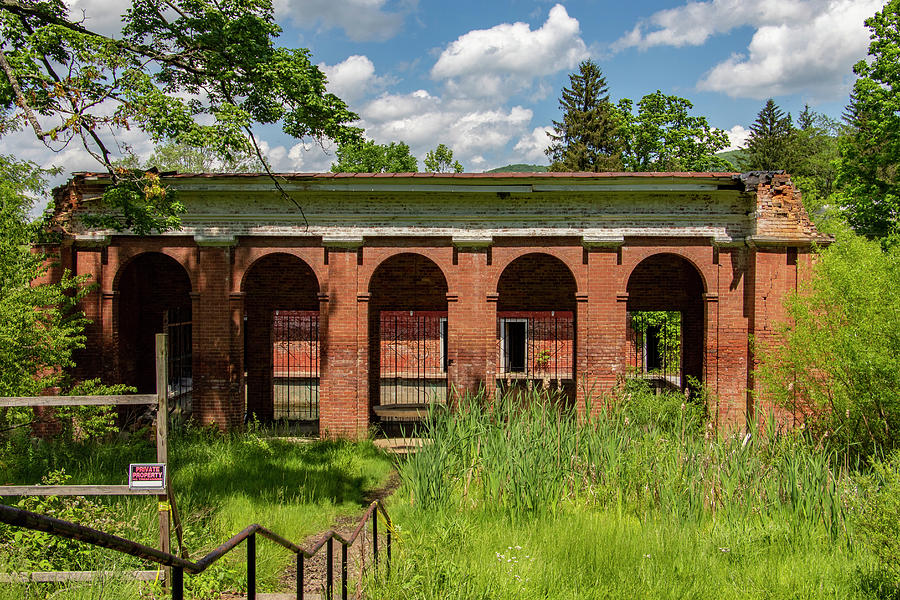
(343, 381)
(212, 339)
(89, 261)
(471, 323)
(604, 331)
(236, 389)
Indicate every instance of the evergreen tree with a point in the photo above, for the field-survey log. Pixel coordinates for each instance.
(869, 169)
(769, 145)
(587, 138)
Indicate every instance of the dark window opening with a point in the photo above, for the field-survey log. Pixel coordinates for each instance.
(515, 336)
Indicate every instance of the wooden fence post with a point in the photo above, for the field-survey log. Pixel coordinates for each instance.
(162, 436)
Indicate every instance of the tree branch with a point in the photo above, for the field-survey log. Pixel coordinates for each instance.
(20, 97)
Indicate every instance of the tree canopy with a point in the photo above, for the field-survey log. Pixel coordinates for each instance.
(197, 72)
(770, 147)
(369, 157)
(39, 325)
(440, 160)
(870, 156)
(588, 136)
(663, 136)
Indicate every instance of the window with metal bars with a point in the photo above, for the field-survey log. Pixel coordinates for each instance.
(536, 344)
(413, 357)
(295, 365)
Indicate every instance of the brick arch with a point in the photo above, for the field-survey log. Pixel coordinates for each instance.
(535, 270)
(378, 257)
(285, 259)
(565, 255)
(153, 288)
(276, 281)
(675, 255)
(248, 257)
(668, 281)
(180, 256)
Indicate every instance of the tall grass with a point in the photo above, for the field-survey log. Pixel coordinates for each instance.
(643, 454)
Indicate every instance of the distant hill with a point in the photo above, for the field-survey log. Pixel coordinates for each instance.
(520, 168)
(735, 157)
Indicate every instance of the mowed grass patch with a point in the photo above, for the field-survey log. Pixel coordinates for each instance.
(222, 483)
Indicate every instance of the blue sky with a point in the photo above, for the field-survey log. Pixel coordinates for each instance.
(485, 77)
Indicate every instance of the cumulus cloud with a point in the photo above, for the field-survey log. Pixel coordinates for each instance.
(531, 147)
(737, 137)
(361, 20)
(814, 56)
(422, 120)
(507, 58)
(800, 46)
(354, 78)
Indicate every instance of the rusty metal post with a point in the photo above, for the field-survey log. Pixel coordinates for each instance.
(343, 571)
(329, 570)
(251, 567)
(375, 538)
(300, 576)
(388, 562)
(177, 583)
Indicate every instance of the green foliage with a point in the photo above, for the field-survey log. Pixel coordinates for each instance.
(870, 156)
(668, 327)
(878, 518)
(183, 158)
(196, 73)
(440, 160)
(38, 551)
(663, 136)
(835, 360)
(369, 157)
(815, 157)
(588, 137)
(40, 327)
(770, 145)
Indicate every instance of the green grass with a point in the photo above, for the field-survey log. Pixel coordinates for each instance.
(222, 483)
(640, 500)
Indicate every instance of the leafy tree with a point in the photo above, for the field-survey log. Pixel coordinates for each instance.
(663, 136)
(369, 157)
(588, 137)
(769, 147)
(196, 72)
(39, 325)
(815, 155)
(183, 158)
(835, 361)
(440, 160)
(870, 156)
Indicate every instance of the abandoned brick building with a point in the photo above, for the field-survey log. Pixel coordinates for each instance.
(394, 289)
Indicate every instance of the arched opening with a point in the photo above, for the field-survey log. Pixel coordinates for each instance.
(536, 325)
(281, 340)
(665, 329)
(407, 336)
(155, 297)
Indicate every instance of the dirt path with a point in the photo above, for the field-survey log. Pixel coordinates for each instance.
(359, 556)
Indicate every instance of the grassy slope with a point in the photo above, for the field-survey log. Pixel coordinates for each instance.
(520, 168)
(222, 484)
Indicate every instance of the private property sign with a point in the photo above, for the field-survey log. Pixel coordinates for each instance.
(147, 476)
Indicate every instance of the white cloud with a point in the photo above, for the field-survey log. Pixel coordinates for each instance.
(361, 20)
(813, 56)
(423, 120)
(308, 158)
(737, 137)
(507, 58)
(354, 78)
(531, 147)
(102, 16)
(800, 46)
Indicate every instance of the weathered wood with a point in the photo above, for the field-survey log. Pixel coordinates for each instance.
(162, 435)
(72, 490)
(116, 400)
(62, 576)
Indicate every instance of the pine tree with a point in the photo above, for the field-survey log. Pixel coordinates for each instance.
(769, 145)
(587, 138)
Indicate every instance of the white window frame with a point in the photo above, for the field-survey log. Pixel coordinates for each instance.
(504, 357)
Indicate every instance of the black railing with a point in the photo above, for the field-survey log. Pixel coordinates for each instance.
(29, 520)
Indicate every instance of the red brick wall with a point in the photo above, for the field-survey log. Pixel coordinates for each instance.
(725, 293)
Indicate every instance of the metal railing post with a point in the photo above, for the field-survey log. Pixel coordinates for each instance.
(388, 562)
(300, 575)
(177, 583)
(343, 571)
(251, 567)
(375, 538)
(329, 570)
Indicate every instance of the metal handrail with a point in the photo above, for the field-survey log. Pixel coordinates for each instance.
(29, 520)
